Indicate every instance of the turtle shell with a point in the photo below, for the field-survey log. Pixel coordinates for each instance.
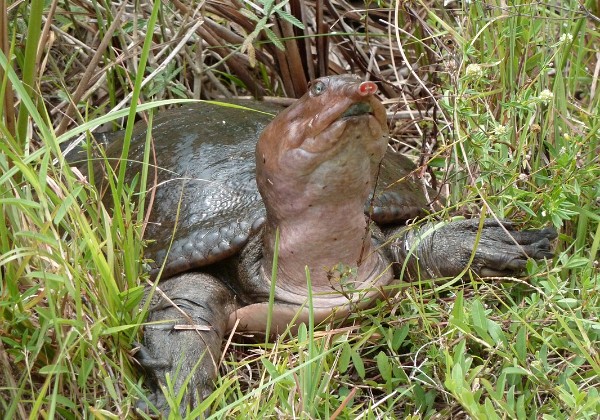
(206, 204)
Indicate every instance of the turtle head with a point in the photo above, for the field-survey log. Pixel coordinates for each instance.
(325, 147)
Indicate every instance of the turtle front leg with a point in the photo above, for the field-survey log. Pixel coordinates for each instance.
(186, 325)
(446, 251)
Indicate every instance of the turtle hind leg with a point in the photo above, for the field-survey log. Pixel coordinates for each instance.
(182, 338)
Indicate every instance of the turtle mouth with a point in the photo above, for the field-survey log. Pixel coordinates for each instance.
(359, 108)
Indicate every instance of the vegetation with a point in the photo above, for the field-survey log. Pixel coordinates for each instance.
(500, 105)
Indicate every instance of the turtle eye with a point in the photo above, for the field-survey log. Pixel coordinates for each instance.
(317, 88)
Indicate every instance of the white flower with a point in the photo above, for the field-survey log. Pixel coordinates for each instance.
(566, 37)
(546, 96)
(500, 130)
(474, 70)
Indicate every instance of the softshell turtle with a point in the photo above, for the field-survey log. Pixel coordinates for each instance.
(320, 179)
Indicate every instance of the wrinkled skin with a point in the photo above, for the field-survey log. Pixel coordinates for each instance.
(316, 166)
(501, 250)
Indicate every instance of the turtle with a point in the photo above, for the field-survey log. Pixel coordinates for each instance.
(317, 187)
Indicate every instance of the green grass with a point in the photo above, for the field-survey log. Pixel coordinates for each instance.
(518, 102)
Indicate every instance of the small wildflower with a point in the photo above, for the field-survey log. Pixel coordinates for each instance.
(474, 71)
(546, 96)
(566, 37)
(523, 177)
(544, 213)
(500, 130)
(562, 151)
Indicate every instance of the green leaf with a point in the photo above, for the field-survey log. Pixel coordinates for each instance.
(457, 316)
(490, 411)
(289, 18)
(344, 359)
(496, 332)
(53, 369)
(480, 321)
(515, 370)
(384, 367)
(399, 336)
(568, 303)
(64, 402)
(249, 14)
(520, 407)
(271, 35)
(521, 344)
(458, 378)
(65, 204)
(358, 364)
(302, 333)
(268, 4)
(271, 368)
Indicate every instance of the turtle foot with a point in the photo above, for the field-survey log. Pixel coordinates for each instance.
(500, 249)
(182, 342)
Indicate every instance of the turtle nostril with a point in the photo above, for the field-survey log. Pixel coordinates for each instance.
(367, 88)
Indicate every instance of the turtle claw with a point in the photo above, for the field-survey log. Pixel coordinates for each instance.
(147, 361)
(189, 373)
(502, 253)
(154, 403)
(501, 250)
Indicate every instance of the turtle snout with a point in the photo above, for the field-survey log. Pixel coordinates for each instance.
(367, 88)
